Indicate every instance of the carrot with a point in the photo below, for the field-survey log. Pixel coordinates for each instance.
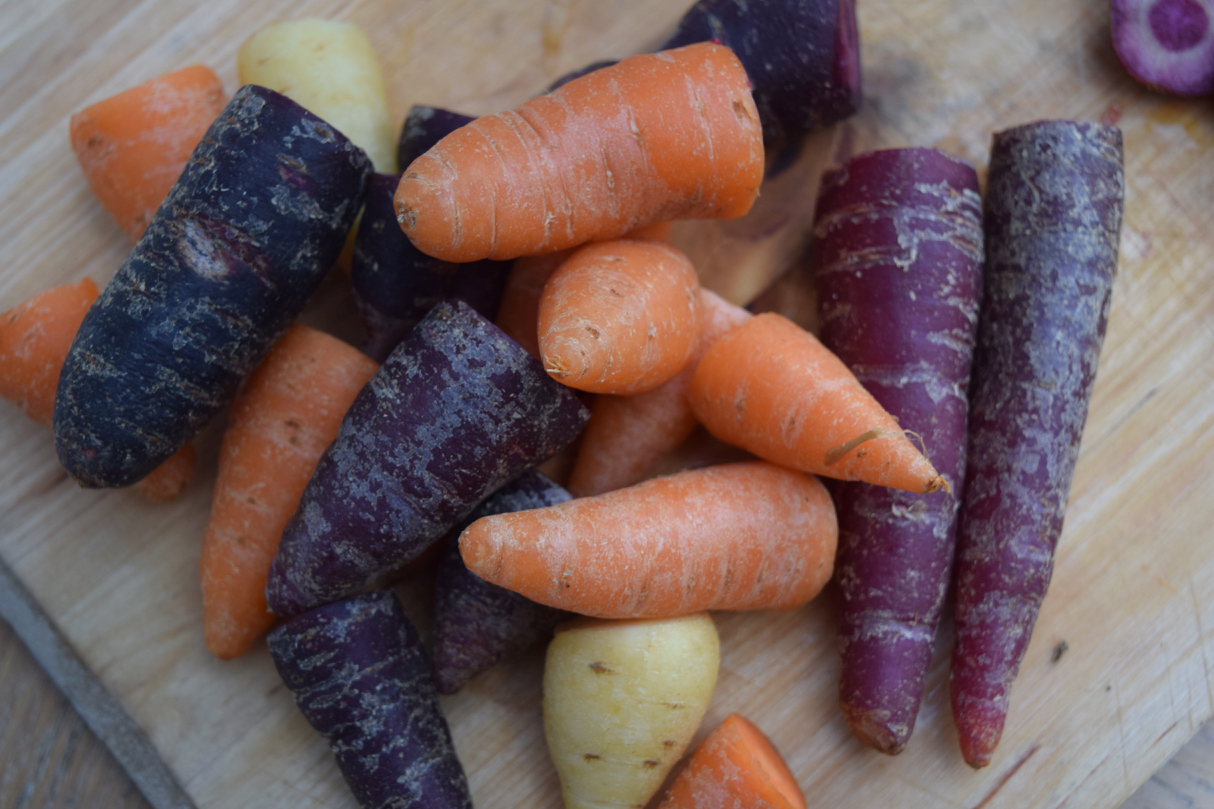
(167, 481)
(519, 311)
(627, 434)
(34, 339)
(283, 418)
(133, 146)
(742, 536)
(620, 316)
(736, 767)
(673, 135)
(774, 390)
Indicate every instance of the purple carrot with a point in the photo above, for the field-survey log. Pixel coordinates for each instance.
(1052, 224)
(1166, 44)
(802, 57)
(359, 676)
(898, 261)
(247, 233)
(395, 284)
(454, 413)
(478, 624)
(425, 126)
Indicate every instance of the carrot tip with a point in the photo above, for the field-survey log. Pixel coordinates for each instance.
(936, 484)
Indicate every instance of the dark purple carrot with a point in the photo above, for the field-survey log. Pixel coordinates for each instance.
(245, 236)
(455, 412)
(395, 284)
(1166, 44)
(898, 261)
(425, 126)
(1052, 224)
(802, 57)
(478, 624)
(359, 676)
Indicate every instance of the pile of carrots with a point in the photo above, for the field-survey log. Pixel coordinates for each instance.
(608, 307)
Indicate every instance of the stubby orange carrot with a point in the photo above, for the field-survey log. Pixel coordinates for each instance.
(739, 536)
(736, 767)
(628, 434)
(518, 313)
(672, 135)
(133, 146)
(286, 414)
(34, 339)
(167, 481)
(771, 388)
(620, 316)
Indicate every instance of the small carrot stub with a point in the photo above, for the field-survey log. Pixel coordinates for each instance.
(671, 135)
(133, 146)
(167, 481)
(736, 767)
(621, 317)
(771, 388)
(34, 339)
(628, 434)
(285, 415)
(738, 536)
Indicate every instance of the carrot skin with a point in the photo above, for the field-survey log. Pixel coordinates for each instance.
(621, 316)
(282, 419)
(166, 482)
(1052, 224)
(653, 138)
(395, 284)
(802, 57)
(771, 388)
(134, 145)
(249, 230)
(453, 414)
(731, 537)
(359, 675)
(626, 435)
(478, 624)
(735, 767)
(898, 265)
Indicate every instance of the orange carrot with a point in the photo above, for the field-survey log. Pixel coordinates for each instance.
(627, 434)
(286, 414)
(518, 313)
(771, 388)
(736, 767)
(133, 146)
(34, 339)
(672, 135)
(167, 481)
(620, 316)
(739, 536)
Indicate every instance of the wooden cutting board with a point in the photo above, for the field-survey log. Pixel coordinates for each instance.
(1120, 672)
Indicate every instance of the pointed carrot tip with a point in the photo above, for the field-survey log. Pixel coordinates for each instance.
(936, 484)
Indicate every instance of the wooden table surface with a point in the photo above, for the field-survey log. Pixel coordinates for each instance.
(1133, 594)
(51, 760)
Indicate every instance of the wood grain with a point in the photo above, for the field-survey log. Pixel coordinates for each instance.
(1133, 593)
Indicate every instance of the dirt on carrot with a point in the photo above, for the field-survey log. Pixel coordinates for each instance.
(620, 316)
(166, 482)
(732, 537)
(738, 767)
(284, 417)
(673, 135)
(133, 146)
(771, 388)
